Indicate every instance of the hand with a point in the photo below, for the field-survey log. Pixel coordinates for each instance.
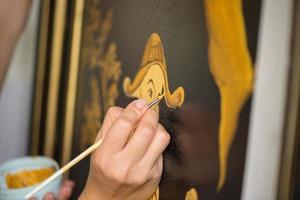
(128, 165)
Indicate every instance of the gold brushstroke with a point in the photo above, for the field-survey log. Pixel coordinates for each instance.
(100, 57)
(231, 67)
(191, 194)
(151, 81)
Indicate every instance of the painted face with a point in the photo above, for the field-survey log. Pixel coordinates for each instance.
(152, 85)
(151, 81)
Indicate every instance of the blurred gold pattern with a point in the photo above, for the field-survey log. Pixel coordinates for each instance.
(231, 67)
(100, 58)
(191, 194)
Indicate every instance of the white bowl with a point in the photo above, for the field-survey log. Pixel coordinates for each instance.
(27, 163)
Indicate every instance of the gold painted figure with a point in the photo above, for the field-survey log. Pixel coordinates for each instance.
(231, 67)
(151, 81)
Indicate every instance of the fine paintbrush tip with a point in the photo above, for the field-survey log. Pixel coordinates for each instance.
(160, 97)
(156, 101)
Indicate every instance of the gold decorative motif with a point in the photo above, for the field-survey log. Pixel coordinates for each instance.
(191, 194)
(151, 80)
(100, 58)
(231, 67)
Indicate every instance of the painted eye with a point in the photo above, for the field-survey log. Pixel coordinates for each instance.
(150, 89)
(150, 92)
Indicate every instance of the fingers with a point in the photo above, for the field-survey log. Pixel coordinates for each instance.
(49, 196)
(122, 127)
(64, 194)
(111, 115)
(156, 148)
(66, 190)
(157, 170)
(131, 164)
(142, 136)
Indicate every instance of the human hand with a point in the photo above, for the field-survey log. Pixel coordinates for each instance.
(128, 165)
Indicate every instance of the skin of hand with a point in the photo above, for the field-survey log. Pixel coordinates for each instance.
(128, 164)
(13, 17)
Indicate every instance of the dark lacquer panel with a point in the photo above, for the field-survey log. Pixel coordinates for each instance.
(114, 37)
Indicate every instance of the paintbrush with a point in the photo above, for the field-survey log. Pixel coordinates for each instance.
(77, 159)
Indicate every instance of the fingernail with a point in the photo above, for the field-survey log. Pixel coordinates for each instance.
(140, 103)
(49, 196)
(68, 191)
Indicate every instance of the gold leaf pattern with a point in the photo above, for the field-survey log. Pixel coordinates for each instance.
(100, 60)
(191, 194)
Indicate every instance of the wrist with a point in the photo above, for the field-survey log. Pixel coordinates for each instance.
(87, 196)
(83, 196)
(90, 194)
